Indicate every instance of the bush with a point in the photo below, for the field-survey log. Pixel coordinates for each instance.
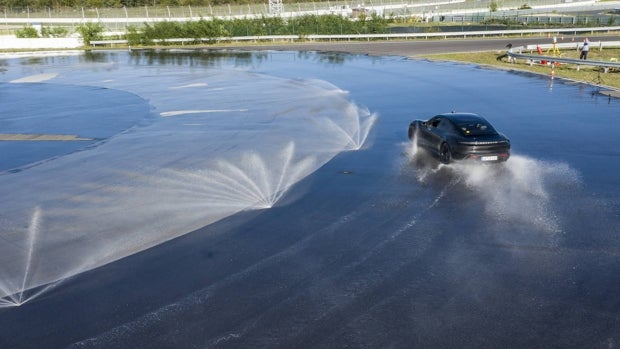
(54, 32)
(162, 31)
(27, 32)
(213, 28)
(135, 37)
(90, 31)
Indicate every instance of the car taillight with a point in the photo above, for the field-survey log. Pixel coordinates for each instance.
(482, 142)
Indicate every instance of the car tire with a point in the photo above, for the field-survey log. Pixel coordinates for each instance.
(411, 132)
(445, 154)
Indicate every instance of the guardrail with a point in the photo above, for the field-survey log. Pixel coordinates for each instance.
(387, 36)
(573, 45)
(552, 60)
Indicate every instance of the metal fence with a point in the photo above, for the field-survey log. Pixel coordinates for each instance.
(403, 36)
(385, 7)
(435, 14)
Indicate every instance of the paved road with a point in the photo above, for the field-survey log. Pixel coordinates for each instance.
(412, 48)
(374, 249)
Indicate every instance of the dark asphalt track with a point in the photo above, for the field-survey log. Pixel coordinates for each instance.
(380, 248)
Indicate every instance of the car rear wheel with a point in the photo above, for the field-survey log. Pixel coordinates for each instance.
(411, 131)
(445, 155)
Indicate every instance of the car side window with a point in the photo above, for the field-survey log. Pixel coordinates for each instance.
(435, 122)
(445, 125)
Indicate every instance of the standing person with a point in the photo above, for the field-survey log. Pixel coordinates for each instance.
(510, 58)
(584, 50)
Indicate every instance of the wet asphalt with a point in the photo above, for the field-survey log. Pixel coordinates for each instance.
(383, 247)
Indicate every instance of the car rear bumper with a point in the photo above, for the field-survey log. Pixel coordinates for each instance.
(497, 157)
(492, 153)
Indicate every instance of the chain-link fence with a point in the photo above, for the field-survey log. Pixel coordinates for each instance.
(387, 7)
(437, 15)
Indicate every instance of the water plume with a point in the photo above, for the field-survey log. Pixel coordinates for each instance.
(33, 230)
(163, 205)
(215, 144)
(352, 129)
(16, 295)
(518, 191)
(253, 181)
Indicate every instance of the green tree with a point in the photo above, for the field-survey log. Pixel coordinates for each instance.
(377, 24)
(90, 31)
(135, 37)
(332, 24)
(305, 25)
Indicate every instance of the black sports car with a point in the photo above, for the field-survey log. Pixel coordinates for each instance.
(460, 136)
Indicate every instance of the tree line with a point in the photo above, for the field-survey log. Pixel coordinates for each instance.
(217, 28)
(159, 32)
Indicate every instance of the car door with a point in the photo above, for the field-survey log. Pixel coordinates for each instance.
(425, 135)
(432, 133)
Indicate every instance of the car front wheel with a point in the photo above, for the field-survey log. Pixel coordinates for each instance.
(445, 155)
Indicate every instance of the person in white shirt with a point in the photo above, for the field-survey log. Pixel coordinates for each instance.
(584, 50)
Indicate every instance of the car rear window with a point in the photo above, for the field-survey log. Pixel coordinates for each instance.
(475, 128)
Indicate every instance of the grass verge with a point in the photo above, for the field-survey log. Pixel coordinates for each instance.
(587, 74)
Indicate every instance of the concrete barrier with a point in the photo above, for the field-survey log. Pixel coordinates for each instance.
(9, 42)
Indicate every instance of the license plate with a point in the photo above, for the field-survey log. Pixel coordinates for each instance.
(489, 158)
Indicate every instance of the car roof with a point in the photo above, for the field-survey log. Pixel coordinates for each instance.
(461, 117)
